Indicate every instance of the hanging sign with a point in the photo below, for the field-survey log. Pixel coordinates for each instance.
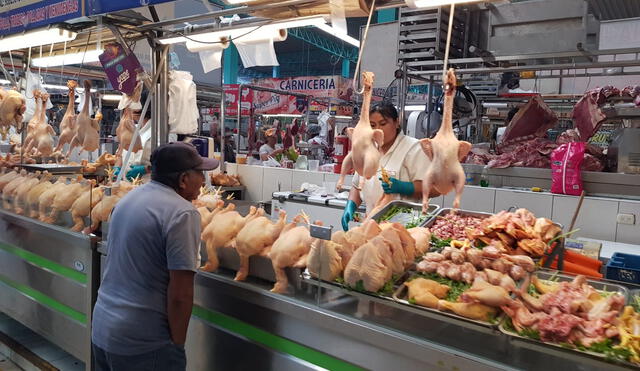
(21, 15)
(95, 7)
(121, 68)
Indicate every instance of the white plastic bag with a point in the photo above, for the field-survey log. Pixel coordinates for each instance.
(33, 82)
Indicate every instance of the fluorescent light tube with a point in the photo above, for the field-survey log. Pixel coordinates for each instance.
(340, 35)
(343, 117)
(415, 108)
(215, 36)
(436, 3)
(64, 87)
(4, 82)
(67, 59)
(282, 115)
(36, 38)
(112, 97)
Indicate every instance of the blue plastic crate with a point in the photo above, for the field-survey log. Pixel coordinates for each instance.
(624, 267)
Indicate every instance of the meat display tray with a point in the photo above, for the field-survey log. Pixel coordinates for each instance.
(53, 168)
(259, 266)
(400, 296)
(405, 218)
(445, 211)
(539, 345)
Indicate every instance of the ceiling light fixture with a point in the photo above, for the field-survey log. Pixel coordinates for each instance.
(36, 38)
(67, 59)
(112, 97)
(340, 35)
(281, 115)
(239, 32)
(415, 108)
(436, 3)
(64, 87)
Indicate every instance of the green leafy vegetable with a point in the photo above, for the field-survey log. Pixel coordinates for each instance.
(360, 286)
(532, 291)
(530, 333)
(412, 301)
(635, 303)
(339, 280)
(455, 288)
(417, 217)
(607, 348)
(386, 290)
(437, 243)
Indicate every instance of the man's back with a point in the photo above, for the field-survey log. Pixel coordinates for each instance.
(152, 230)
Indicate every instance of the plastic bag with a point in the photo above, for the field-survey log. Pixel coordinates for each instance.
(33, 82)
(566, 161)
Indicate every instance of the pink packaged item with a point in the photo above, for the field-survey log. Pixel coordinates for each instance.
(565, 168)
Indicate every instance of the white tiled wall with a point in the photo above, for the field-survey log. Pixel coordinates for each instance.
(597, 217)
(539, 204)
(474, 198)
(629, 233)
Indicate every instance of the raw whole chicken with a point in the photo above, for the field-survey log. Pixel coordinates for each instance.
(64, 199)
(222, 231)
(127, 125)
(422, 236)
(68, 123)
(206, 215)
(12, 108)
(87, 129)
(46, 198)
(290, 250)
(325, 261)
(225, 180)
(370, 264)
(43, 131)
(20, 196)
(9, 190)
(5, 178)
(102, 211)
(407, 242)
(257, 237)
(445, 152)
(365, 151)
(29, 140)
(34, 194)
(82, 207)
(475, 311)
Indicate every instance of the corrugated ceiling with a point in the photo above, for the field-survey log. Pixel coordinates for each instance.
(606, 10)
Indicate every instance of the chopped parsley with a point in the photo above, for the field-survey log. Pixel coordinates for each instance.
(455, 288)
(437, 243)
(412, 301)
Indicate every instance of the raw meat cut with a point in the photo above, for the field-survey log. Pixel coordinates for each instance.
(365, 154)
(532, 120)
(445, 151)
(324, 260)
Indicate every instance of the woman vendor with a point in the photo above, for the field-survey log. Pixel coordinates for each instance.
(270, 149)
(402, 158)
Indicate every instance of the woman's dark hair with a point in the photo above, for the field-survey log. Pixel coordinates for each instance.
(386, 109)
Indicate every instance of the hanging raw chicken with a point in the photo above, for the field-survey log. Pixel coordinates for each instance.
(68, 123)
(43, 131)
(87, 129)
(445, 152)
(29, 141)
(365, 151)
(12, 108)
(127, 127)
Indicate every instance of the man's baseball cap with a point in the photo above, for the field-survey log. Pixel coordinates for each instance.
(176, 157)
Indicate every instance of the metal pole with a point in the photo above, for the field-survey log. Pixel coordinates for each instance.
(308, 113)
(164, 97)
(402, 97)
(155, 118)
(429, 106)
(239, 119)
(223, 166)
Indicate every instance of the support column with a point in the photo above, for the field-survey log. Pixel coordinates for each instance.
(386, 15)
(346, 68)
(230, 65)
(275, 72)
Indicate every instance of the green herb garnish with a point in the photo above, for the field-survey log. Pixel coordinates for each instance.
(532, 291)
(635, 303)
(527, 332)
(455, 288)
(412, 301)
(339, 280)
(611, 353)
(437, 243)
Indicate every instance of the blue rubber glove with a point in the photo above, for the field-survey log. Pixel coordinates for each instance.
(116, 171)
(347, 216)
(135, 171)
(398, 186)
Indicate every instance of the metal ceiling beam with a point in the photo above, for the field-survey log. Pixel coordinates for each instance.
(308, 35)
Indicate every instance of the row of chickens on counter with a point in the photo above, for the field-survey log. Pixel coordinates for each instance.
(76, 130)
(39, 195)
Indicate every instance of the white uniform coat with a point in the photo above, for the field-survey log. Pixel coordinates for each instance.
(405, 161)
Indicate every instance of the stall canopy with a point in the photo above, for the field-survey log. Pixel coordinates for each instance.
(21, 15)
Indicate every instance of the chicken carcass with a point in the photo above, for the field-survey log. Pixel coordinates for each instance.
(7, 177)
(370, 264)
(34, 194)
(46, 198)
(43, 131)
(12, 108)
(475, 311)
(256, 237)
(407, 242)
(63, 200)
(127, 125)
(9, 190)
(487, 294)
(101, 212)
(365, 150)
(222, 231)
(81, 208)
(325, 261)
(445, 152)
(420, 285)
(20, 196)
(68, 123)
(290, 250)
(29, 140)
(87, 133)
(422, 236)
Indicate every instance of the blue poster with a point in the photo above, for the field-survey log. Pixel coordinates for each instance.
(95, 7)
(20, 15)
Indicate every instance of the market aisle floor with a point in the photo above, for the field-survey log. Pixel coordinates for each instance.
(36, 344)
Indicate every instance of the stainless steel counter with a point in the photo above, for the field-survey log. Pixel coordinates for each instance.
(48, 281)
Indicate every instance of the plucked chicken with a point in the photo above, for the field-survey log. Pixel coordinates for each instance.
(9, 190)
(68, 122)
(43, 131)
(12, 108)
(290, 250)
(222, 231)
(257, 237)
(127, 125)
(82, 207)
(422, 236)
(370, 264)
(63, 200)
(419, 286)
(7, 177)
(365, 151)
(325, 260)
(87, 133)
(46, 198)
(29, 140)
(102, 211)
(20, 196)
(445, 152)
(34, 194)
(225, 180)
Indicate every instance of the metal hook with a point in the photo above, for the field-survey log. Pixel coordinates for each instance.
(356, 76)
